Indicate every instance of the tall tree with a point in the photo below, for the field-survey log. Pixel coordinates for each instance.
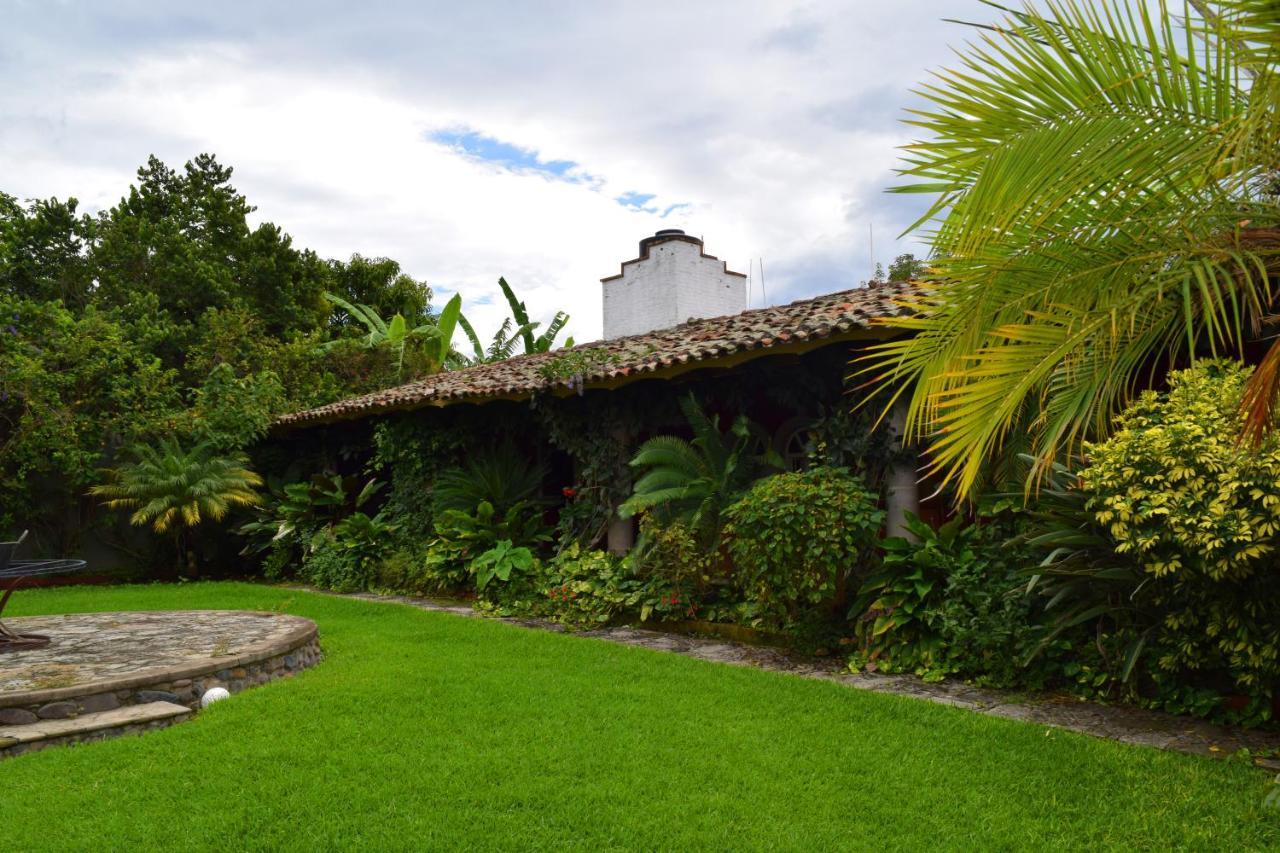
(1106, 179)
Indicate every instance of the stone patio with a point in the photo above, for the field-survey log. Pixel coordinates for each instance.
(1114, 722)
(94, 647)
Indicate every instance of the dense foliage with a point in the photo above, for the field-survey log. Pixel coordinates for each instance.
(165, 316)
(796, 540)
(1104, 200)
(1197, 511)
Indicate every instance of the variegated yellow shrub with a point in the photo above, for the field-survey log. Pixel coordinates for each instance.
(1199, 511)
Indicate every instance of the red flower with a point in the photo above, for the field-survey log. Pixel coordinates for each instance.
(569, 492)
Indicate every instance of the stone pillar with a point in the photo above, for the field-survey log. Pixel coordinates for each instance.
(622, 531)
(902, 488)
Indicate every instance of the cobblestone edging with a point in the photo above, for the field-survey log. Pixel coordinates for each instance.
(1114, 722)
(107, 677)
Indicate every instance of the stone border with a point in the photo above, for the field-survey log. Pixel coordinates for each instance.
(182, 684)
(1123, 723)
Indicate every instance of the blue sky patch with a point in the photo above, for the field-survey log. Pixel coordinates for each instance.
(635, 200)
(508, 156)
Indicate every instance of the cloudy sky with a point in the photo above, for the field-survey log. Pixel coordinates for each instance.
(468, 140)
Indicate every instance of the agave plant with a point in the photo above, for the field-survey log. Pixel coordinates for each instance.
(695, 481)
(173, 489)
(1107, 201)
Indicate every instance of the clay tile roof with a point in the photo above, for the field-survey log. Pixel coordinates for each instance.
(631, 358)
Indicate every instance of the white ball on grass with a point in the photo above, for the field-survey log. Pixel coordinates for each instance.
(213, 694)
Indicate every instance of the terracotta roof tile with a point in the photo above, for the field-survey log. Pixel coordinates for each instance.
(631, 357)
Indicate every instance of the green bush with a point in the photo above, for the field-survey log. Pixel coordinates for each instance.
(953, 603)
(797, 539)
(1198, 511)
(584, 587)
(331, 566)
(424, 570)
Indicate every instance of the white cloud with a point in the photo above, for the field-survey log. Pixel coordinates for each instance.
(774, 123)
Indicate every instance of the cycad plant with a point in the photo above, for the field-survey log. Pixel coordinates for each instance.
(173, 489)
(695, 481)
(1106, 178)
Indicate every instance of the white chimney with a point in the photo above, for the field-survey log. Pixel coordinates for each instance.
(671, 281)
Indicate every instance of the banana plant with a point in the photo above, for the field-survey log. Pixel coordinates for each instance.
(395, 333)
(525, 328)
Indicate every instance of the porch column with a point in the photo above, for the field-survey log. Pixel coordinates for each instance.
(902, 490)
(622, 534)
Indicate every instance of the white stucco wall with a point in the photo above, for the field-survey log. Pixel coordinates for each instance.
(674, 283)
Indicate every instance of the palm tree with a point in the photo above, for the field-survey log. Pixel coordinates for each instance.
(1107, 180)
(173, 489)
(395, 333)
(695, 481)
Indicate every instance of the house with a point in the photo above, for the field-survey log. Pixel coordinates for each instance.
(675, 322)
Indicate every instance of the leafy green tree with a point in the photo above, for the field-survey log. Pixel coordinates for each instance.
(173, 489)
(185, 238)
(905, 268)
(43, 251)
(71, 389)
(502, 347)
(380, 284)
(1105, 202)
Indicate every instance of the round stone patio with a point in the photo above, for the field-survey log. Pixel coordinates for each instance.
(100, 661)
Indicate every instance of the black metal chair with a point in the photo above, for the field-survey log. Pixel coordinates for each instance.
(12, 575)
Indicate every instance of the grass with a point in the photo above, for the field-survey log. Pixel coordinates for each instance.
(423, 730)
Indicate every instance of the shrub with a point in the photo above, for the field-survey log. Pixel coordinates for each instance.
(1198, 511)
(423, 570)
(797, 538)
(330, 566)
(586, 587)
(671, 552)
(952, 603)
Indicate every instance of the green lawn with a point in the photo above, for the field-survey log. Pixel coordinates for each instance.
(425, 730)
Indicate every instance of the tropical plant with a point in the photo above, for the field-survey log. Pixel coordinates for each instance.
(172, 489)
(796, 539)
(1106, 198)
(301, 513)
(436, 338)
(502, 347)
(520, 314)
(1197, 510)
(501, 475)
(696, 480)
(501, 561)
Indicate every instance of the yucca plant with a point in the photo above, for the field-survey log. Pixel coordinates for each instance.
(173, 489)
(695, 481)
(1107, 202)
